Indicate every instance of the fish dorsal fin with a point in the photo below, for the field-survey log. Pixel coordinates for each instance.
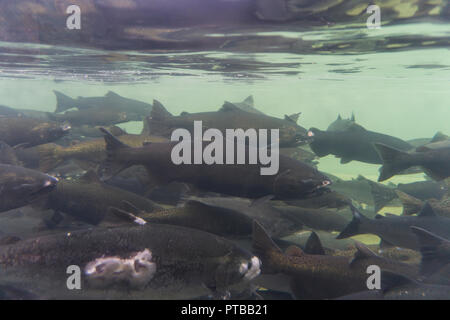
(293, 117)
(8, 154)
(434, 257)
(439, 136)
(228, 106)
(261, 241)
(391, 280)
(339, 117)
(313, 245)
(261, 201)
(111, 94)
(294, 251)
(410, 204)
(158, 111)
(90, 177)
(427, 211)
(362, 252)
(249, 101)
(353, 117)
(117, 131)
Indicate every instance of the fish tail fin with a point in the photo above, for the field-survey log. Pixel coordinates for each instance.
(393, 161)
(410, 204)
(112, 164)
(63, 102)
(49, 157)
(432, 251)
(261, 241)
(381, 195)
(353, 227)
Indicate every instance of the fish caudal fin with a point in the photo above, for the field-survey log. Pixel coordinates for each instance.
(353, 228)
(63, 102)
(393, 161)
(381, 195)
(434, 255)
(410, 204)
(112, 164)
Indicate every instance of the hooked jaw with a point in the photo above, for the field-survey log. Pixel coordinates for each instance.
(251, 269)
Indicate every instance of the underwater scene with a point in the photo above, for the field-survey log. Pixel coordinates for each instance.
(225, 149)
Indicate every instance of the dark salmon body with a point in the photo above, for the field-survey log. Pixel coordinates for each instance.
(229, 116)
(434, 158)
(111, 101)
(197, 215)
(30, 132)
(93, 116)
(293, 180)
(315, 276)
(93, 150)
(21, 186)
(180, 263)
(27, 113)
(88, 199)
(395, 230)
(356, 143)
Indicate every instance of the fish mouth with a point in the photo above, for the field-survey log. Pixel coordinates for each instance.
(48, 186)
(251, 269)
(319, 189)
(301, 139)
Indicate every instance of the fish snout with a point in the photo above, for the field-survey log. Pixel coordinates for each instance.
(250, 269)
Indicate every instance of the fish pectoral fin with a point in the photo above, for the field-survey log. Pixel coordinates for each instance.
(126, 216)
(129, 207)
(261, 201)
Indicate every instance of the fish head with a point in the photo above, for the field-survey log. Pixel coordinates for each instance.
(293, 135)
(25, 185)
(239, 266)
(297, 184)
(51, 131)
